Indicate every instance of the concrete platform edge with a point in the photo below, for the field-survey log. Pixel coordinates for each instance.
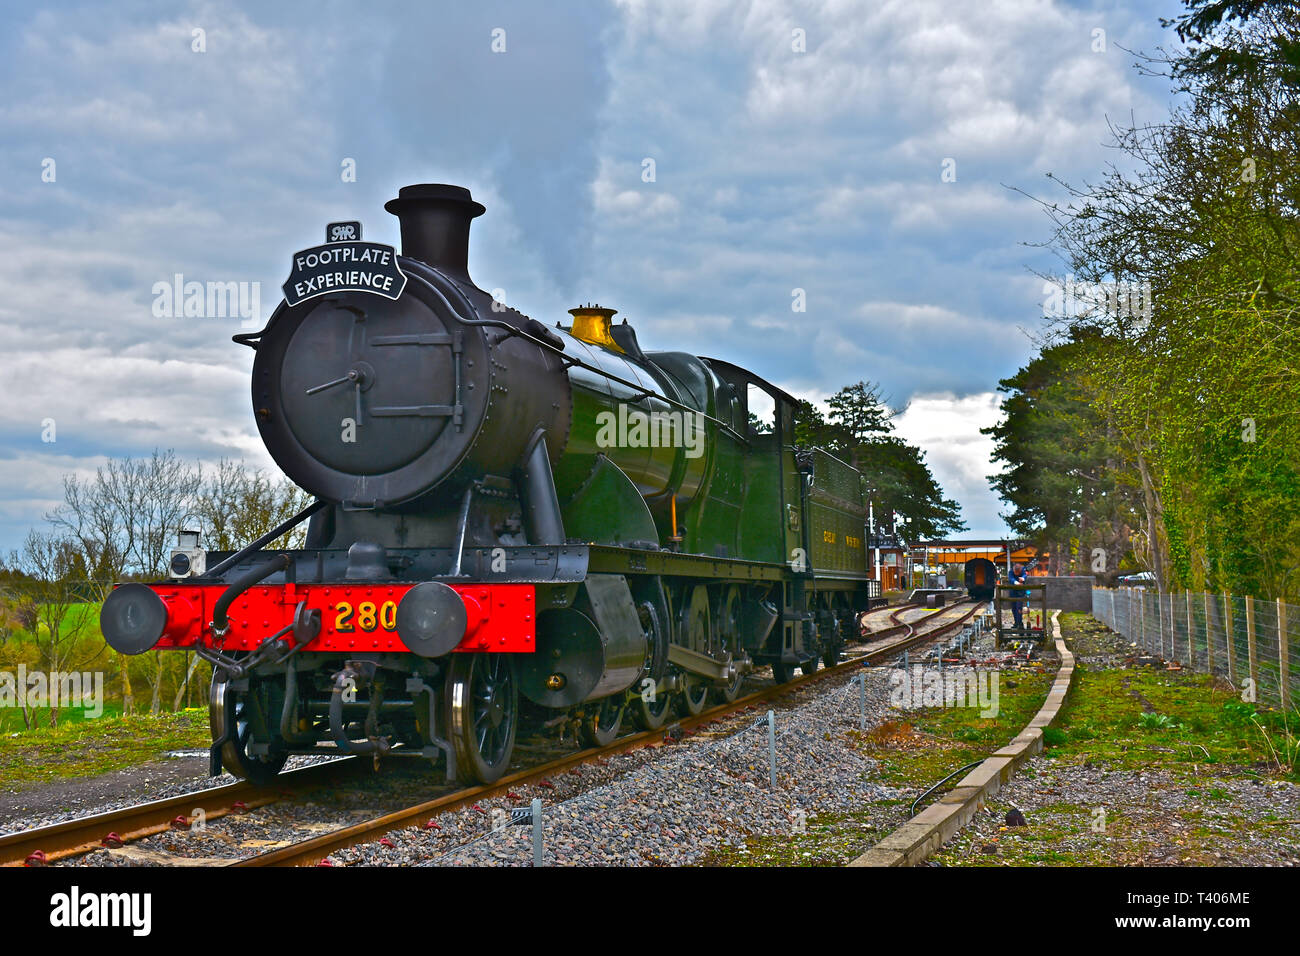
(930, 829)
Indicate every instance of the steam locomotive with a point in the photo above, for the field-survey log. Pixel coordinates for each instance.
(511, 523)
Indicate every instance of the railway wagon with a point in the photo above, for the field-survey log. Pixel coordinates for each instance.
(512, 523)
(980, 577)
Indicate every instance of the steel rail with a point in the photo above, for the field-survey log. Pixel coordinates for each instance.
(84, 834)
(909, 627)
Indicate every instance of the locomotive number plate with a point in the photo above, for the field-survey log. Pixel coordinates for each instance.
(366, 616)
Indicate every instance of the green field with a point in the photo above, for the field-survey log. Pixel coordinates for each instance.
(83, 651)
(81, 746)
(86, 748)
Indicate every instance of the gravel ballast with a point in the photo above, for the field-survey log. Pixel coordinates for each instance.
(709, 792)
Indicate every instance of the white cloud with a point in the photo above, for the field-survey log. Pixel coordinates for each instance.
(775, 170)
(647, 205)
(946, 427)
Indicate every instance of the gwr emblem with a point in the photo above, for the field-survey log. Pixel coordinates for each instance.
(343, 232)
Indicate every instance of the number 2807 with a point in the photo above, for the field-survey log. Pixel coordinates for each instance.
(366, 616)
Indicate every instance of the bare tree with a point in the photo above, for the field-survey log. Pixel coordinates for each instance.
(123, 522)
(166, 487)
(235, 505)
(53, 607)
(126, 518)
(89, 517)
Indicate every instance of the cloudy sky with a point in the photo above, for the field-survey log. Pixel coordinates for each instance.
(134, 149)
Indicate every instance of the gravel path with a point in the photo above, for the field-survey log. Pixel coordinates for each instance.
(1084, 814)
(1090, 816)
(676, 804)
(668, 804)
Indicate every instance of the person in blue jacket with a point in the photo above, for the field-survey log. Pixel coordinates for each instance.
(1018, 577)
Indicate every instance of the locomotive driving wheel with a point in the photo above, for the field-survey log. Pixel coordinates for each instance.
(696, 631)
(728, 618)
(651, 714)
(602, 721)
(240, 717)
(695, 694)
(482, 714)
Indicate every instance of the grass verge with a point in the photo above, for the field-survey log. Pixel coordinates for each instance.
(1145, 766)
(89, 747)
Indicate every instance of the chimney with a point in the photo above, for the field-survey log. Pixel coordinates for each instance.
(435, 225)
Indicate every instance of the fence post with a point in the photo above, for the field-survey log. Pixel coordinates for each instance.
(1160, 607)
(537, 831)
(771, 746)
(1142, 622)
(1191, 648)
(1173, 629)
(1209, 639)
(1250, 645)
(1227, 638)
(1283, 656)
(862, 699)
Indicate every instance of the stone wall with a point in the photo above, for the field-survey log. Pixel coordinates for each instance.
(1067, 592)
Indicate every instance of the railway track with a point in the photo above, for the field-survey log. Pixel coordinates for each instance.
(897, 625)
(315, 849)
(129, 824)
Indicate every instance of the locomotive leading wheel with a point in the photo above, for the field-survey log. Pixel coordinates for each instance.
(237, 715)
(482, 714)
(602, 721)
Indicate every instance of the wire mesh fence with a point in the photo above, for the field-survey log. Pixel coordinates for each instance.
(1241, 639)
